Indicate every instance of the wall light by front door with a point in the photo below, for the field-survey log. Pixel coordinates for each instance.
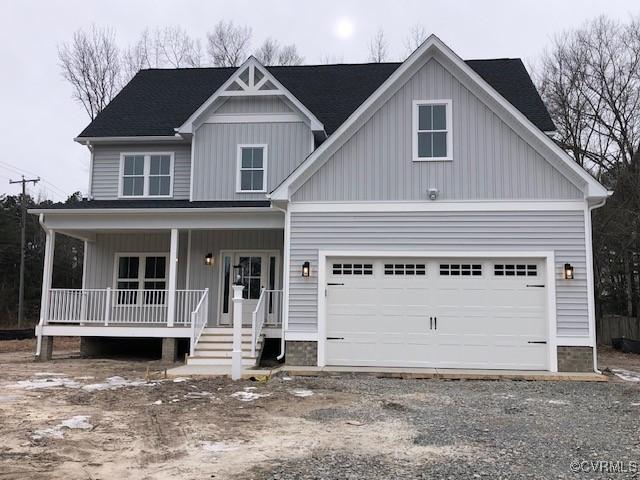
(568, 271)
(208, 259)
(306, 269)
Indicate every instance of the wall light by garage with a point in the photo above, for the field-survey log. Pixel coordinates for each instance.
(208, 260)
(306, 269)
(568, 271)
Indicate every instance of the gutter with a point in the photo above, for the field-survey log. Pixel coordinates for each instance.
(62, 211)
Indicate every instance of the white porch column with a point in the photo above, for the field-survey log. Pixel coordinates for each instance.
(173, 277)
(47, 274)
(236, 354)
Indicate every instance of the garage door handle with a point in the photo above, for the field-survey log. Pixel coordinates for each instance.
(430, 323)
(333, 284)
(536, 286)
(335, 338)
(435, 322)
(541, 342)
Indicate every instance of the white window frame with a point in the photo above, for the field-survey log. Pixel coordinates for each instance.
(146, 172)
(239, 165)
(142, 266)
(414, 133)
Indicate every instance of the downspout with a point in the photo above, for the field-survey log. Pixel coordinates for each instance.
(285, 278)
(90, 191)
(592, 294)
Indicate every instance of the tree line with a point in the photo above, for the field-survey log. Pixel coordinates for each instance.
(67, 271)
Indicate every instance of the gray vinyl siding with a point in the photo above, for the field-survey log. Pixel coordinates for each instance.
(101, 255)
(106, 168)
(214, 241)
(559, 231)
(253, 105)
(216, 149)
(490, 161)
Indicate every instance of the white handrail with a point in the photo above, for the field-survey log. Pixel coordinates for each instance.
(261, 313)
(199, 321)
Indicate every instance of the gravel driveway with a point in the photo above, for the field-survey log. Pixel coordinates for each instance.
(102, 419)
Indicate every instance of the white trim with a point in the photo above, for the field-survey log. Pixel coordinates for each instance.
(449, 129)
(192, 155)
(252, 63)
(187, 280)
(177, 210)
(137, 331)
(301, 336)
(172, 281)
(146, 174)
(461, 206)
(90, 186)
(265, 155)
(254, 118)
(564, 341)
(130, 139)
(430, 46)
(84, 265)
(549, 256)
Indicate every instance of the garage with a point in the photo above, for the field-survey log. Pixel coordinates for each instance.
(480, 313)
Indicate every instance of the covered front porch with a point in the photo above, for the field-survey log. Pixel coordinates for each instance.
(169, 277)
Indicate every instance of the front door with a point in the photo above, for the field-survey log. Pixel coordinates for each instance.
(258, 271)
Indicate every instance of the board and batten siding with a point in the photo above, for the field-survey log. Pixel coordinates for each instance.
(214, 241)
(216, 151)
(490, 161)
(560, 231)
(100, 254)
(253, 105)
(106, 168)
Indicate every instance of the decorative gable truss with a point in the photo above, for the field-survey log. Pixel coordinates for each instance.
(251, 79)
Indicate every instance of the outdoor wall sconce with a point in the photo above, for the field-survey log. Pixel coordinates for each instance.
(568, 271)
(208, 259)
(306, 268)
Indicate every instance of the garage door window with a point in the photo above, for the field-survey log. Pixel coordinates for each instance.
(405, 269)
(515, 270)
(352, 269)
(460, 269)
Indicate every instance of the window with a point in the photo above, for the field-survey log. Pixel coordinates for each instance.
(405, 269)
(252, 168)
(515, 270)
(352, 269)
(146, 175)
(432, 130)
(251, 268)
(141, 272)
(460, 269)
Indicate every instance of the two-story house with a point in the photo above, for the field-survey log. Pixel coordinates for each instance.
(412, 214)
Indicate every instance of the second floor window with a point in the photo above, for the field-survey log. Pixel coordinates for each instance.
(252, 168)
(146, 175)
(432, 130)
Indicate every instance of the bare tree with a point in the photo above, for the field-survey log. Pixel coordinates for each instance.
(378, 47)
(91, 64)
(169, 47)
(416, 37)
(228, 44)
(289, 55)
(329, 59)
(267, 54)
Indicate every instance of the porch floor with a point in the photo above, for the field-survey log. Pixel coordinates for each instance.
(380, 372)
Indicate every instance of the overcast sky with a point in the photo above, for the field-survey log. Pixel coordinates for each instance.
(39, 119)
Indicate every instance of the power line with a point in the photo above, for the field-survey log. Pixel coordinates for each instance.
(19, 171)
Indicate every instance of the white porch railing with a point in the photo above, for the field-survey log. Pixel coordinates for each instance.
(199, 318)
(267, 311)
(119, 307)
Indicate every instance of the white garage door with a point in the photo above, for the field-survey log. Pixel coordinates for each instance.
(446, 313)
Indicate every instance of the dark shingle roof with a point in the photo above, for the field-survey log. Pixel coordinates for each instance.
(156, 101)
(159, 203)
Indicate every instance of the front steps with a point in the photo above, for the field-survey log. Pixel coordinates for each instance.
(216, 344)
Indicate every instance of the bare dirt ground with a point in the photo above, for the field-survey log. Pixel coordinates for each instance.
(103, 419)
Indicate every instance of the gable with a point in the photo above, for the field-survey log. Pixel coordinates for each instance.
(490, 160)
(245, 105)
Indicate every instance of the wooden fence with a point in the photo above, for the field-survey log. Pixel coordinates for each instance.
(616, 326)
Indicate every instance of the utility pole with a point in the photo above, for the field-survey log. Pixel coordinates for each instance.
(23, 207)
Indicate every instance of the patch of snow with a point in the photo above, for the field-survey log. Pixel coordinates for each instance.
(217, 447)
(635, 404)
(627, 375)
(287, 379)
(558, 402)
(248, 395)
(175, 400)
(79, 422)
(180, 380)
(198, 395)
(114, 383)
(48, 382)
(84, 378)
(49, 374)
(301, 393)
(157, 402)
